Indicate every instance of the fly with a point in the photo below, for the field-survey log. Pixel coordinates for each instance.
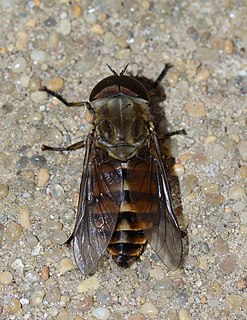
(125, 200)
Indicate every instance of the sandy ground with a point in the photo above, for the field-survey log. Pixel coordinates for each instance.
(66, 45)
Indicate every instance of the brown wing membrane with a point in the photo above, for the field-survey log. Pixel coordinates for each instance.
(97, 209)
(154, 205)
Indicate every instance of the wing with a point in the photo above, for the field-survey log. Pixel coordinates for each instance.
(153, 205)
(98, 208)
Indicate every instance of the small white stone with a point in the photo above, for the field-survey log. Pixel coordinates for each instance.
(37, 297)
(64, 26)
(90, 284)
(101, 313)
(6, 278)
(149, 309)
(18, 265)
(184, 315)
(39, 96)
(39, 56)
(19, 65)
(65, 265)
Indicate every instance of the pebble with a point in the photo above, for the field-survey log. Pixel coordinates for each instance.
(214, 199)
(136, 317)
(14, 231)
(7, 87)
(163, 284)
(243, 230)
(109, 39)
(35, 117)
(221, 246)
(190, 262)
(184, 314)
(199, 158)
(236, 192)
(14, 306)
(24, 218)
(242, 146)
(234, 301)
(101, 313)
(50, 22)
(90, 284)
(104, 297)
(18, 265)
(193, 33)
(171, 315)
(55, 135)
(39, 97)
(228, 265)
(229, 47)
(64, 27)
(65, 265)
(195, 108)
(189, 183)
(43, 177)
(63, 315)
(6, 278)
(19, 65)
(210, 139)
(96, 28)
(216, 152)
(203, 75)
(56, 191)
(31, 241)
(53, 294)
(173, 77)
(243, 172)
(203, 264)
(123, 54)
(149, 309)
(39, 56)
(55, 84)
(34, 84)
(85, 64)
(69, 215)
(4, 190)
(64, 299)
(37, 297)
(86, 304)
(218, 43)
(59, 236)
(45, 273)
(22, 40)
(177, 169)
(38, 161)
(215, 288)
(147, 19)
(77, 10)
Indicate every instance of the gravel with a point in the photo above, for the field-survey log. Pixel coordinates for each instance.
(65, 46)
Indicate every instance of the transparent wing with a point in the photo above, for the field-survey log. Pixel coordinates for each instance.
(165, 236)
(97, 210)
(150, 195)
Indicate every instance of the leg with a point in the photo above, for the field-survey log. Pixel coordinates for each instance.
(64, 101)
(74, 146)
(173, 133)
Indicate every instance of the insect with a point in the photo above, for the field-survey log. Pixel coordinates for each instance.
(125, 200)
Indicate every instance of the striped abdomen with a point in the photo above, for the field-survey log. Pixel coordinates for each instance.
(138, 201)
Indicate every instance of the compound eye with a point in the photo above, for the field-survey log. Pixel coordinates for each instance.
(105, 130)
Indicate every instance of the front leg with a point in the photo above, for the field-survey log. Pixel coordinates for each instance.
(65, 102)
(75, 146)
